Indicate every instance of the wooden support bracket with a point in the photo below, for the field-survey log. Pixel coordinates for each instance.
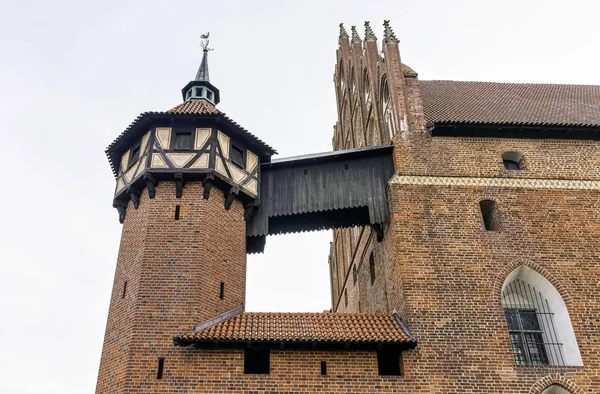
(151, 184)
(179, 184)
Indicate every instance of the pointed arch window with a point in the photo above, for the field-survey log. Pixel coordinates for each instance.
(366, 89)
(386, 107)
(538, 322)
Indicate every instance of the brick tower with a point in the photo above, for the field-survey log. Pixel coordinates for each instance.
(185, 179)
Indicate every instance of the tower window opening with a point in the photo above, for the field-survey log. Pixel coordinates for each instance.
(222, 291)
(257, 361)
(134, 156)
(354, 274)
(210, 95)
(237, 156)
(489, 211)
(346, 298)
(388, 362)
(372, 268)
(177, 211)
(323, 367)
(183, 140)
(124, 289)
(346, 167)
(199, 92)
(305, 172)
(512, 161)
(161, 365)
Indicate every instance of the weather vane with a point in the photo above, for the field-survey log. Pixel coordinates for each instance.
(204, 42)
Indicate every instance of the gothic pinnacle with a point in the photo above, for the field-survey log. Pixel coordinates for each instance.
(355, 36)
(388, 33)
(343, 33)
(369, 35)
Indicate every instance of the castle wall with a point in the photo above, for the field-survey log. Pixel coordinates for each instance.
(174, 269)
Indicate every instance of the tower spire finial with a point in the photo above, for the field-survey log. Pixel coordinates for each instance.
(202, 74)
(343, 33)
(355, 36)
(369, 35)
(388, 33)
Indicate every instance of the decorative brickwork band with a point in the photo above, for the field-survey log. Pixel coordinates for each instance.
(495, 182)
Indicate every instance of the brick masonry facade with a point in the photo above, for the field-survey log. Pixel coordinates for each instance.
(436, 265)
(441, 269)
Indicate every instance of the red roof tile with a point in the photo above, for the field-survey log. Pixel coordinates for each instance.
(305, 327)
(192, 107)
(511, 103)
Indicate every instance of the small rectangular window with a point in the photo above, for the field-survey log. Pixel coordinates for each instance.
(177, 211)
(161, 365)
(388, 362)
(134, 156)
(237, 156)
(354, 274)
(323, 367)
(124, 289)
(346, 297)
(183, 141)
(257, 361)
(222, 291)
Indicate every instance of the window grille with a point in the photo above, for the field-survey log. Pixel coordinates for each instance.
(530, 324)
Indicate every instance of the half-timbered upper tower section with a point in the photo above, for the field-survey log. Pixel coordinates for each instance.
(371, 89)
(193, 141)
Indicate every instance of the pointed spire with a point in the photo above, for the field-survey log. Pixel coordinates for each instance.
(343, 33)
(201, 88)
(355, 37)
(388, 33)
(369, 35)
(202, 74)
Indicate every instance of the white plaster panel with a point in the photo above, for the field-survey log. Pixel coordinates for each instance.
(252, 186)
(180, 159)
(202, 162)
(220, 167)
(251, 161)
(141, 165)
(120, 185)
(125, 161)
(144, 143)
(158, 161)
(237, 174)
(224, 144)
(130, 174)
(202, 136)
(163, 135)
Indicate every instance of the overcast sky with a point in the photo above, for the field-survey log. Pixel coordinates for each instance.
(74, 74)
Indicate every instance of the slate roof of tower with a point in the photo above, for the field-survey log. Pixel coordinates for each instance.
(189, 107)
(511, 103)
(305, 327)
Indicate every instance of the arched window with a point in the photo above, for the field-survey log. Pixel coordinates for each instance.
(491, 217)
(538, 322)
(512, 160)
(386, 108)
(366, 89)
(554, 389)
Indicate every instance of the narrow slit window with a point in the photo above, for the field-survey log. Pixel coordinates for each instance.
(489, 212)
(354, 274)
(388, 362)
(183, 141)
(177, 211)
(257, 361)
(222, 291)
(372, 268)
(323, 367)
(346, 297)
(161, 365)
(124, 289)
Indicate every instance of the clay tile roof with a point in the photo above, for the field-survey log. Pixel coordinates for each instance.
(201, 107)
(305, 327)
(511, 103)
